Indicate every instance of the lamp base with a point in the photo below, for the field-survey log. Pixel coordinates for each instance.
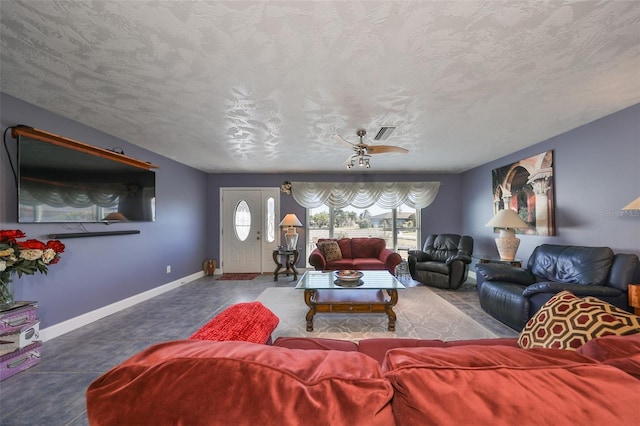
(507, 247)
(292, 240)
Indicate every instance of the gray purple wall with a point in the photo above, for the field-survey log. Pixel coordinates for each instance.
(97, 271)
(597, 172)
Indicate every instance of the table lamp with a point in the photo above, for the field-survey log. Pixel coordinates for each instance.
(507, 243)
(291, 221)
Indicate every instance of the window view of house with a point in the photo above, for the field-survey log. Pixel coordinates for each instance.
(398, 227)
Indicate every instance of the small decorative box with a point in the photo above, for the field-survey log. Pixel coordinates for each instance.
(17, 317)
(18, 339)
(15, 362)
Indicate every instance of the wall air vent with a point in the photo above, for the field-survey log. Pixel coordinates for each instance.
(384, 133)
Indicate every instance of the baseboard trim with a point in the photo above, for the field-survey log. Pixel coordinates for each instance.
(89, 317)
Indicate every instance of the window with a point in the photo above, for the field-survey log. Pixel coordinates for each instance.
(271, 219)
(399, 227)
(242, 220)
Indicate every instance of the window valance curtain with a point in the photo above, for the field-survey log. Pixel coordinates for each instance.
(387, 195)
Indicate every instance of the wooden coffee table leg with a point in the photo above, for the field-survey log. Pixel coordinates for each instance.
(308, 299)
(393, 294)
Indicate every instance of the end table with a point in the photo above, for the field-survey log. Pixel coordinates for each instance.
(285, 259)
(488, 259)
(634, 297)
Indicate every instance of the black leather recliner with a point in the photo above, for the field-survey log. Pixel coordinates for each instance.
(443, 261)
(514, 295)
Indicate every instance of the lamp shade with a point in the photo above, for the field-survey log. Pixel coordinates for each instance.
(290, 219)
(507, 218)
(634, 205)
(115, 216)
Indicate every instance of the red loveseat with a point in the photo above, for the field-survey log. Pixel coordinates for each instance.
(354, 253)
(374, 382)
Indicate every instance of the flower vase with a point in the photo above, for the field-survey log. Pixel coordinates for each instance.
(6, 291)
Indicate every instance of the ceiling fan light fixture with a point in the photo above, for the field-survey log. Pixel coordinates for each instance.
(362, 151)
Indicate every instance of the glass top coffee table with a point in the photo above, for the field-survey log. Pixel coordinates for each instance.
(331, 292)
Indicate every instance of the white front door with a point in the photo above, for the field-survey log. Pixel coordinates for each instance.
(249, 231)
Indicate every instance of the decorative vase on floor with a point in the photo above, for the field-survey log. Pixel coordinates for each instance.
(6, 290)
(209, 267)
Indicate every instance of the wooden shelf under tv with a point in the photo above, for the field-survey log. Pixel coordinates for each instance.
(41, 135)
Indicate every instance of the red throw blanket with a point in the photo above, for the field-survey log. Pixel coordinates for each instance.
(246, 322)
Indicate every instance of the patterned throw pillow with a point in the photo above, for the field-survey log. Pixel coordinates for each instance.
(330, 250)
(567, 322)
(620, 314)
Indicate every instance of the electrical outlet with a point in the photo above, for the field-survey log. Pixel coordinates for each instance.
(168, 269)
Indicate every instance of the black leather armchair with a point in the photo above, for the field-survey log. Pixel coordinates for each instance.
(514, 295)
(443, 261)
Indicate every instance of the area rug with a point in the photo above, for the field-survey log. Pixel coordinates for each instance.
(421, 313)
(237, 277)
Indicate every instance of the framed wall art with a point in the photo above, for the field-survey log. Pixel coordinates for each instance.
(527, 187)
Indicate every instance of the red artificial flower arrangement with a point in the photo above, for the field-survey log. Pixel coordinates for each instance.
(24, 257)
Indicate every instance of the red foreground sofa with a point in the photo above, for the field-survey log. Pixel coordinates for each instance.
(311, 381)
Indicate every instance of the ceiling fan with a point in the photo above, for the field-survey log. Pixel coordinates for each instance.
(363, 151)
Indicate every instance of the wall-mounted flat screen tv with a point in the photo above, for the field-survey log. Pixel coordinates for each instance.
(58, 184)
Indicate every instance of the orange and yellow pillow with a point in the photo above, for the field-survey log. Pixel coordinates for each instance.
(567, 322)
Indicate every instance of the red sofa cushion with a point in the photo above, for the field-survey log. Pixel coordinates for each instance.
(340, 264)
(316, 343)
(368, 263)
(622, 352)
(193, 382)
(377, 348)
(500, 385)
(367, 247)
(345, 247)
(245, 322)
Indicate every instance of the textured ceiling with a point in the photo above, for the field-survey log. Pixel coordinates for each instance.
(262, 86)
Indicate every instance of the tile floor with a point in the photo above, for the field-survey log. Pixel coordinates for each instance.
(53, 392)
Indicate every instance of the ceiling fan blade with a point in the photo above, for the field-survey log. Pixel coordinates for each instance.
(343, 140)
(381, 149)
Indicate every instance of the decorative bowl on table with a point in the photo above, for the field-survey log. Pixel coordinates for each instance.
(348, 275)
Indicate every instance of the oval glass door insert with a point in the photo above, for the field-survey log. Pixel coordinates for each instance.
(242, 220)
